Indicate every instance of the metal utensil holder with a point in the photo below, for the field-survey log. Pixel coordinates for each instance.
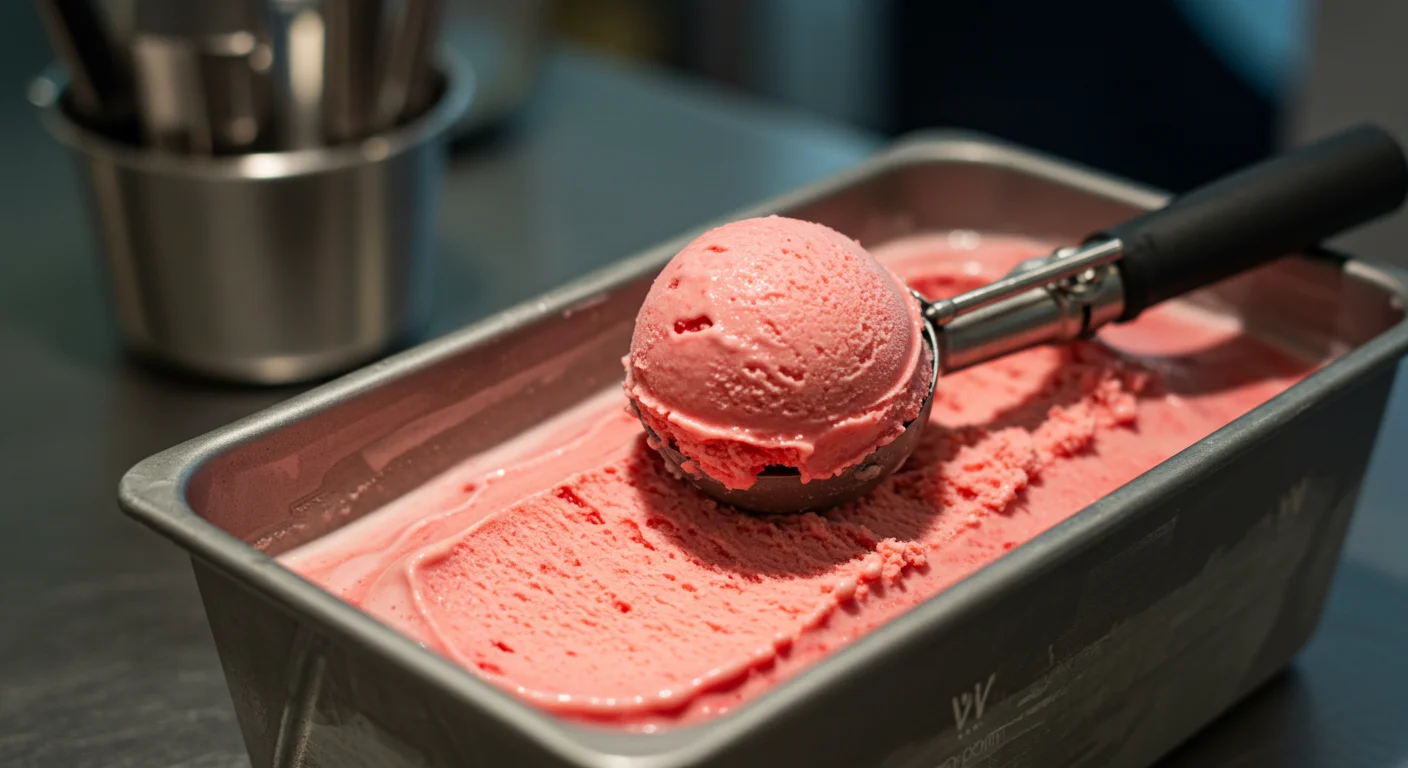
(272, 267)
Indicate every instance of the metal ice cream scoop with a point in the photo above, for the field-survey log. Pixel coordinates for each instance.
(1283, 205)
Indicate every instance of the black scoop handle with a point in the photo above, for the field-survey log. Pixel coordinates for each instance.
(1282, 205)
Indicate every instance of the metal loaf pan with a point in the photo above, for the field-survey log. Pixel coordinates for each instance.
(1105, 641)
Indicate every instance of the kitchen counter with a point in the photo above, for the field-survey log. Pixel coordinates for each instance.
(105, 658)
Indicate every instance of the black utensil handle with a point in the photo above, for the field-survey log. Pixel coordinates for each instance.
(1279, 206)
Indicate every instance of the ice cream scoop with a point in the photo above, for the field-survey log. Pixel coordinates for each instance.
(1282, 205)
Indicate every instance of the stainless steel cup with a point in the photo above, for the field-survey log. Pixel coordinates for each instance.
(270, 267)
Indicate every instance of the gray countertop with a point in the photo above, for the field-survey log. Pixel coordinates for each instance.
(105, 658)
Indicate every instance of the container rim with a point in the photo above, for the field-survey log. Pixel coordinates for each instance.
(45, 93)
(153, 491)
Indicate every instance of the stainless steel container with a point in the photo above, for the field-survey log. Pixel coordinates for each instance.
(1104, 642)
(269, 267)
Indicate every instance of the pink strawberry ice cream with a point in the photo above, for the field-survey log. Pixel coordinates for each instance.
(570, 568)
(774, 341)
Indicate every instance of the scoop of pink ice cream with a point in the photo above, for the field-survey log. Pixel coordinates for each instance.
(774, 341)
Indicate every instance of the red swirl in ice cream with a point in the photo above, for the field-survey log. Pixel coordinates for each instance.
(775, 341)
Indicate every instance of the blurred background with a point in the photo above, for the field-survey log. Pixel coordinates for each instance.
(1170, 92)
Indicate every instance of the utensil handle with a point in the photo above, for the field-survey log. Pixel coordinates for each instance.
(1270, 209)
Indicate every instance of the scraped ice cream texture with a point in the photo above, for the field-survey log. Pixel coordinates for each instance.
(776, 342)
(569, 567)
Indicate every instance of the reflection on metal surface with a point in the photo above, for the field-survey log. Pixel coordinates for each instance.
(1071, 303)
(307, 665)
(305, 65)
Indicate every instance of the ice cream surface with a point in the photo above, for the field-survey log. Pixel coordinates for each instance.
(571, 568)
(776, 341)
